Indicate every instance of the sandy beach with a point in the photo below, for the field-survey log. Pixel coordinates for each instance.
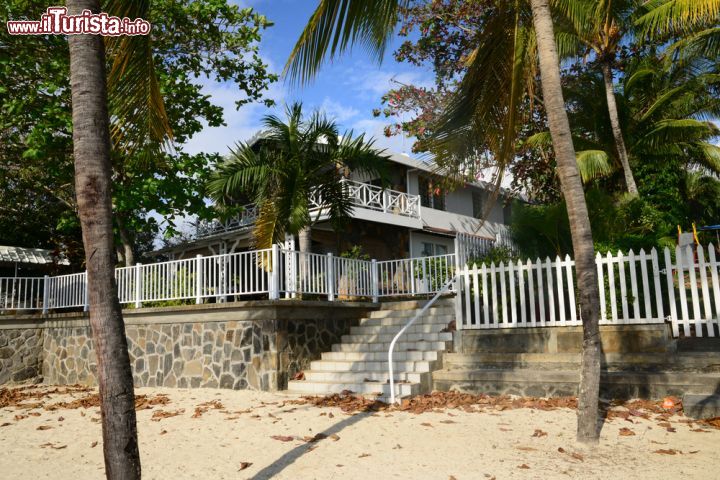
(223, 434)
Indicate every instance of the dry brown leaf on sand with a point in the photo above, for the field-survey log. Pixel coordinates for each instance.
(244, 465)
(44, 427)
(524, 466)
(539, 433)
(315, 438)
(93, 444)
(426, 424)
(363, 455)
(626, 432)
(668, 451)
(160, 414)
(282, 438)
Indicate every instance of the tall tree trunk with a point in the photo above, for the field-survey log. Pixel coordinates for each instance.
(127, 242)
(305, 246)
(589, 296)
(617, 131)
(305, 240)
(91, 147)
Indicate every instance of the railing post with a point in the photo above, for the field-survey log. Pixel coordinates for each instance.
(374, 280)
(138, 285)
(275, 272)
(46, 294)
(86, 307)
(330, 278)
(385, 200)
(458, 293)
(198, 279)
(426, 284)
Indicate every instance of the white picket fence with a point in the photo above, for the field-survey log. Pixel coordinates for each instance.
(640, 288)
(543, 293)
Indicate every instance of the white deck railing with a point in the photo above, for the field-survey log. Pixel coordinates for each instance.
(270, 272)
(378, 199)
(246, 218)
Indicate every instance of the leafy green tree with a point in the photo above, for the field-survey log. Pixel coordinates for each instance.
(189, 40)
(297, 159)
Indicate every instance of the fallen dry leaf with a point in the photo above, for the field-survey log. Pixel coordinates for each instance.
(163, 432)
(668, 451)
(315, 438)
(626, 432)
(426, 424)
(93, 444)
(44, 427)
(282, 438)
(5, 424)
(244, 465)
(448, 421)
(363, 455)
(539, 433)
(160, 414)
(334, 437)
(524, 466)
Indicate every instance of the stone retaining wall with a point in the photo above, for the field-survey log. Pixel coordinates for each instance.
(255, 345)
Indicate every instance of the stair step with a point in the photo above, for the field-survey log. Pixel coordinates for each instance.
(363, 388)
(393, 329)
(422, 346)
(408, 337)
(416, 304)
(358, 377)
(380, 356)
(401, 321)
(432, 311)
(419, 366)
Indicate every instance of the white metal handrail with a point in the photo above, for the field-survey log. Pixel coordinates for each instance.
(444, 289)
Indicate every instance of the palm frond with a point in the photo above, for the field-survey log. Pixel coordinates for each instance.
(593, 164)
(678, 16)
(334, 26)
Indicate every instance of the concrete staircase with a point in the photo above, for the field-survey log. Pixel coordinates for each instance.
(359, 364)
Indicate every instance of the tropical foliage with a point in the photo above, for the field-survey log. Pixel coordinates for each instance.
(296, 159)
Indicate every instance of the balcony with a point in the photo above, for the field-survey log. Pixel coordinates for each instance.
(374, 204)
(378, 199)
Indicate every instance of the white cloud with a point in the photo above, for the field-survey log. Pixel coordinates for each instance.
(336, 110)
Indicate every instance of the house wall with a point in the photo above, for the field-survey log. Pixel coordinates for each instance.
(379, 241)
(245, 345)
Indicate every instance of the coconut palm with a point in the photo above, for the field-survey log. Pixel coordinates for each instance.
(601, 27)
(297, 160)
(666, 111)
(692, 25)
(487, 107)
(91, 148)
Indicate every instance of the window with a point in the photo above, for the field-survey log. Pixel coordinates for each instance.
(477, 200)
(431, 195)
(507, 213)
(432, 249)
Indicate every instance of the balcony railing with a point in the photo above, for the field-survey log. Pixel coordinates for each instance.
(242, 220)
(371, 197)
(362, 195)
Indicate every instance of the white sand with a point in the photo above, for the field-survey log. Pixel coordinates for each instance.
(370, 446)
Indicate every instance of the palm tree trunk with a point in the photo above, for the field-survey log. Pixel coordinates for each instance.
(589, 297)
(127, 242)
(305, 246)
(91, 147)
(305, 240)
(617, 131)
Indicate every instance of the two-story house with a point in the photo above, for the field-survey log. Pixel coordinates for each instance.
(413, 217)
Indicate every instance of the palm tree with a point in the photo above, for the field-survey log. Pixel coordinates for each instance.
(601, 27)
(666, 108)
(487, 107)
(298, 160)
(91, 148)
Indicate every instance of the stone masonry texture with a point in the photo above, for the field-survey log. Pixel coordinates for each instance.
(260, 353)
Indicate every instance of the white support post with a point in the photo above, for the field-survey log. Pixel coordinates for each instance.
(330, 278)
(46, 294)
(375, 282)
(458, 293)
(198, 279)
(138, 285)
(275, 272)
(86, 307)
(426, 284)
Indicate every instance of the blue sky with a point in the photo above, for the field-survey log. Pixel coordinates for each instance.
(347, 89)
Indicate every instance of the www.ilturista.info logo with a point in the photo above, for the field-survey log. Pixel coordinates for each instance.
(57, 22)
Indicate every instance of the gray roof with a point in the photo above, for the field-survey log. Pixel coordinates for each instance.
(36, 256)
